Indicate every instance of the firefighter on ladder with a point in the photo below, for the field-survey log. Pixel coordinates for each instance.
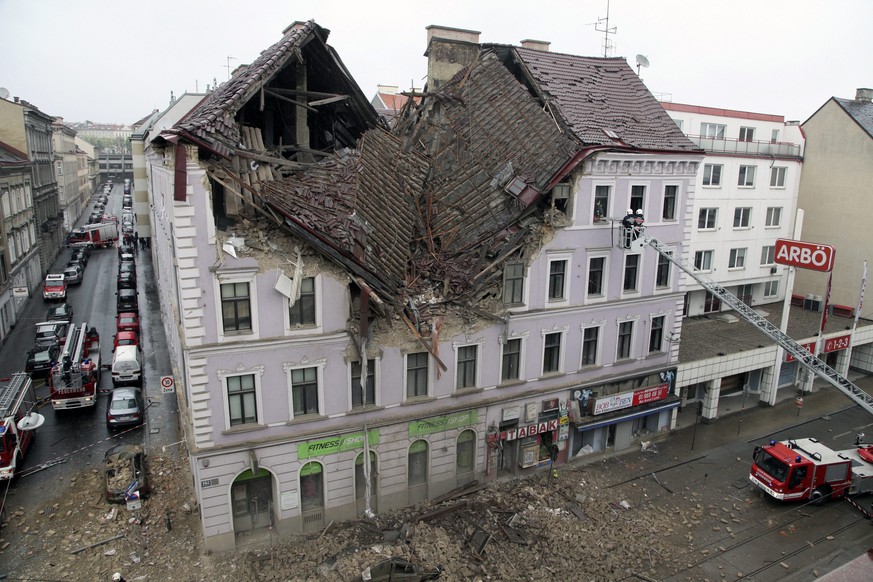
(633, 228)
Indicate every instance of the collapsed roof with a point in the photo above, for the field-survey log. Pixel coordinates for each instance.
(427, 214)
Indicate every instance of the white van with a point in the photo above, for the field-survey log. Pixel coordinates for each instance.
(126, 365)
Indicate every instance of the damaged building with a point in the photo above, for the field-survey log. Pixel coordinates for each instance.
(365, 316)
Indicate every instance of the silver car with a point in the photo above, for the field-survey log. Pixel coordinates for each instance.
(73, 275)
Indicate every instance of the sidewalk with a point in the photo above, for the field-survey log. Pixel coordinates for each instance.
(749, 421)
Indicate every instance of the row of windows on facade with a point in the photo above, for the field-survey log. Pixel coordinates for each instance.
(637, 200)
(16, 199)
(514, 278)
(718, 131)
(20, 242)
(707, 218)
(712, 175)
(242, 392)
(737, 258)
(312, 484)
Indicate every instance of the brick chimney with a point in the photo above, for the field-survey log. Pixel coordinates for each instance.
(537, 45)
(865, 95)
(448, 51)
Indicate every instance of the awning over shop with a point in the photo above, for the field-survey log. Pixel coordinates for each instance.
(669, 404)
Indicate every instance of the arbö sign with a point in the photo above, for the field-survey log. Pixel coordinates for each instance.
(805, 255)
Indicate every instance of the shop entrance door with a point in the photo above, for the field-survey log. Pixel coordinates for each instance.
(252, 500)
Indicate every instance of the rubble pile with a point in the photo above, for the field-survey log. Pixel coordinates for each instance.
(584, 524)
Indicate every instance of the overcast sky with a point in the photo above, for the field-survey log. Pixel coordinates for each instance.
(114, 61)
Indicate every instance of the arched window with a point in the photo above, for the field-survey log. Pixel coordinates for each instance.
(311, 486)
(360, 483)
(465, 460)
(417, 463)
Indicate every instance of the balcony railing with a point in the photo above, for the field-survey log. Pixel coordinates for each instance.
(748, 148)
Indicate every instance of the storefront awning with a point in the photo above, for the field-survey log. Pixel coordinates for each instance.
(630, 416)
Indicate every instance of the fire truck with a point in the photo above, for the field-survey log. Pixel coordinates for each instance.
(99, 235)
(807, 470)
(17, 398)
(796, 469)
(74, 378)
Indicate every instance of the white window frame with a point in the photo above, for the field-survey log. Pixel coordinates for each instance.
(668, 287)
(774, 217)
(319, 365)
(709, 211)
(675, 202)
(222, 278)
(589, 299)
(777, 176)
(768, 252)
(429, 377)
(646, 187)
(377, 376)
(316, 329)
(562, 349)
(638, 283)
(257, 372)
(737, 259)
(707, 180)
(567, 258)
(746, 176)
(746, 133)
(633, 337)
(706, 256)
(745, 218)
(525, 287)
(712, 130)
(478, 381)
(598, 352)
(609, 202)
(521, 351)
(652, 318)
(771, 288)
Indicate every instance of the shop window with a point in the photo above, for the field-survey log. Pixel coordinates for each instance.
(311, 486)
(417, 463)
(360, 481)
(465, 459)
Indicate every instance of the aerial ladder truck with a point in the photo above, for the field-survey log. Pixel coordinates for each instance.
(801, 469)
(17, 399)
(74, 378)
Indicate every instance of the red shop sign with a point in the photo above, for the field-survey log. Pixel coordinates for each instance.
(804, 255)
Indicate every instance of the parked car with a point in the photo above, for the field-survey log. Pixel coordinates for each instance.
(125, 408)
(40, 359)
(126, 300)
(59, 312)
(50, 332)
(126, 338)
(127, 227)
(124, 249)
(125, 258)
(127, 322)
(123, 466)
(73, 275)
(76, 262)
(127, 280)
(127, 267)
(126, 366)
(81, 254)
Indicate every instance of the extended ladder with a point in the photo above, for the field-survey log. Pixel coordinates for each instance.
(802, 355)
(11, 393)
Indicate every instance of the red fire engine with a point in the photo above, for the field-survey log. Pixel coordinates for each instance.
(17, 398)
(100, 234)
(805, 469)
(74, 378)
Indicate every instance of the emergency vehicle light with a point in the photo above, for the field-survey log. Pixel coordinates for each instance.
(772, 443)
(797, 459)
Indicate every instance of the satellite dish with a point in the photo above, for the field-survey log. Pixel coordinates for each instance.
(4, 92)
(642, 61)
(31, 421)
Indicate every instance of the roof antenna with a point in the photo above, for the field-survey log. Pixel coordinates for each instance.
(228, 66)
(606, 30)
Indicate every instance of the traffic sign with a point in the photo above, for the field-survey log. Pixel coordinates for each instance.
(804, 255)
(167, 384)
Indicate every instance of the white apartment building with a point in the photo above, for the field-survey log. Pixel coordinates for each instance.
(746, 198)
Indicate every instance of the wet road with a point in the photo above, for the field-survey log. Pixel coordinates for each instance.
(75, 439)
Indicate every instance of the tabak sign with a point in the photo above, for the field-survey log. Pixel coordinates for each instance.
(629, 399)
(530, 430)
(832, 344)
(804, 255)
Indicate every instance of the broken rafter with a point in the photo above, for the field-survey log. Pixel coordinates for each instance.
(328, 100)
(271, 160)
(273, 93)
(304, 149)
(305, 93)
(424, 343)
